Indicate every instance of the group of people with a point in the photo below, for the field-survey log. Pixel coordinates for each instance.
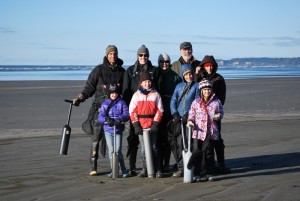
(188, 92)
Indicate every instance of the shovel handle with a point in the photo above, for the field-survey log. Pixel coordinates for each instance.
(68, 101)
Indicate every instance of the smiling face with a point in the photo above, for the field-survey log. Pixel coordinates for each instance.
(112, 57)
(143, 58)
(164, 64)
(186, 53)
(188, 77)
(146, 84)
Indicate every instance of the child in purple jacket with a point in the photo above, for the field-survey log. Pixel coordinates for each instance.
(114, 112)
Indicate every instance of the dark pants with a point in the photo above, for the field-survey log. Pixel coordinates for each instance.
(164, 148)
(95, 139)
(204, 157)
(133, 143)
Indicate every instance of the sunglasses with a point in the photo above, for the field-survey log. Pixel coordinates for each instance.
(143, 55)
(167, 61)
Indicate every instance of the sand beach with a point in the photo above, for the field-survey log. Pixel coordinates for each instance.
(260, 129)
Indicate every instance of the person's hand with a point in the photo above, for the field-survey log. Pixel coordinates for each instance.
(190, 124)
(154, 127)
(78, 99)
(117, 122)
(217, 117)
(197, 70)
(109, 121)
(137, 128)
(176, 117)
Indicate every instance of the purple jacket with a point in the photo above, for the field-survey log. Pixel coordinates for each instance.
(119, 110)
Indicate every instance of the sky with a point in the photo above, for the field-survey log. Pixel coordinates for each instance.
(77, 32)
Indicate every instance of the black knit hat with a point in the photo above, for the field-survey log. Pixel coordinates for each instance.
(145, 75)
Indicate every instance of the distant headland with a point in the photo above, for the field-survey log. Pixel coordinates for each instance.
(262, 61)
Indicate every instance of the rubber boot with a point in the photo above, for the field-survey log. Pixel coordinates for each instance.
(143, 173)
(93, 158)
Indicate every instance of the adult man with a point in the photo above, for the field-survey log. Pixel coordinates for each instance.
(130, 86)
(186, 52)
(110, 72)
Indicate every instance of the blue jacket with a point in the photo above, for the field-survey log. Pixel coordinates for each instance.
(119, 110)
(188, 98)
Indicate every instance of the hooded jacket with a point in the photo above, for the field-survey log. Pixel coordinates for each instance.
(100, 78)
(184, 106)
(118, 111)
(203, 117)
(217, 80)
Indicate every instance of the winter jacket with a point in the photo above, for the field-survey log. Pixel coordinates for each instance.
(117, 111)
(100, 78)
(177, 64)
(167, 82)
(132, 78)
(217, 80)
(184, 106)
(146, 108)
(202, 115)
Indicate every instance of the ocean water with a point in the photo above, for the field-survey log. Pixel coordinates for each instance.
(81, 72)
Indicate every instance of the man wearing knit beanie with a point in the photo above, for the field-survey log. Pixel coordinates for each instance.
(111, 48)
(143, 50)
(99, 79)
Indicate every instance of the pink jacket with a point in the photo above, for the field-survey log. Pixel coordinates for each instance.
(202, 115)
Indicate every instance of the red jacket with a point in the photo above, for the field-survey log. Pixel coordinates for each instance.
(146, 108)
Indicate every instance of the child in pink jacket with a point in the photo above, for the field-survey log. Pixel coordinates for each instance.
(204, 113)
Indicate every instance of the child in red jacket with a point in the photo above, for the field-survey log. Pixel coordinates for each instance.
(145, 111)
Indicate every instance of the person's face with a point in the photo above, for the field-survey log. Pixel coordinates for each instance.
(206, 92)
(112, 57)
(209, 69)
(143, 58)
(113, 96)
(164, 64)
(146, 84)
(188, 77)
(186, 53)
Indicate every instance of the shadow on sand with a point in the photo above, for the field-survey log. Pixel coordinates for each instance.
(263, 165)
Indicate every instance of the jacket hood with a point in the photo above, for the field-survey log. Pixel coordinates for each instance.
(119, 62)
(185, 67)
(209, 59)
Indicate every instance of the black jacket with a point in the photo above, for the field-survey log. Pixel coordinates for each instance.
(131, 81)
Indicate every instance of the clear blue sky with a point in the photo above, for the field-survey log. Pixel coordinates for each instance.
(46, 32)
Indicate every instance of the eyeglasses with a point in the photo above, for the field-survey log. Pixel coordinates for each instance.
(167, 61)
(143, 55)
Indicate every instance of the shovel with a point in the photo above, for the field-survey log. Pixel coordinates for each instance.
(186, 155)
(148, 153)
(66, 133)
(115, 159)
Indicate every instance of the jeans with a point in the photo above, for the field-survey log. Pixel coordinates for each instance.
(110, 144)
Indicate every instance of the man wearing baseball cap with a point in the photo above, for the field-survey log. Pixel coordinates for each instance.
(186, 52)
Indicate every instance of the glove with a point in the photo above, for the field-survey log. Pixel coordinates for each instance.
(154, 127)
(109, 121)
(185, 118)
(217, 117)
(137, 128)
(78, 99)
(117, 122)
(190, 123)
(176, 117)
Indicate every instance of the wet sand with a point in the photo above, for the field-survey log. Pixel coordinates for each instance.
(260, 130)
